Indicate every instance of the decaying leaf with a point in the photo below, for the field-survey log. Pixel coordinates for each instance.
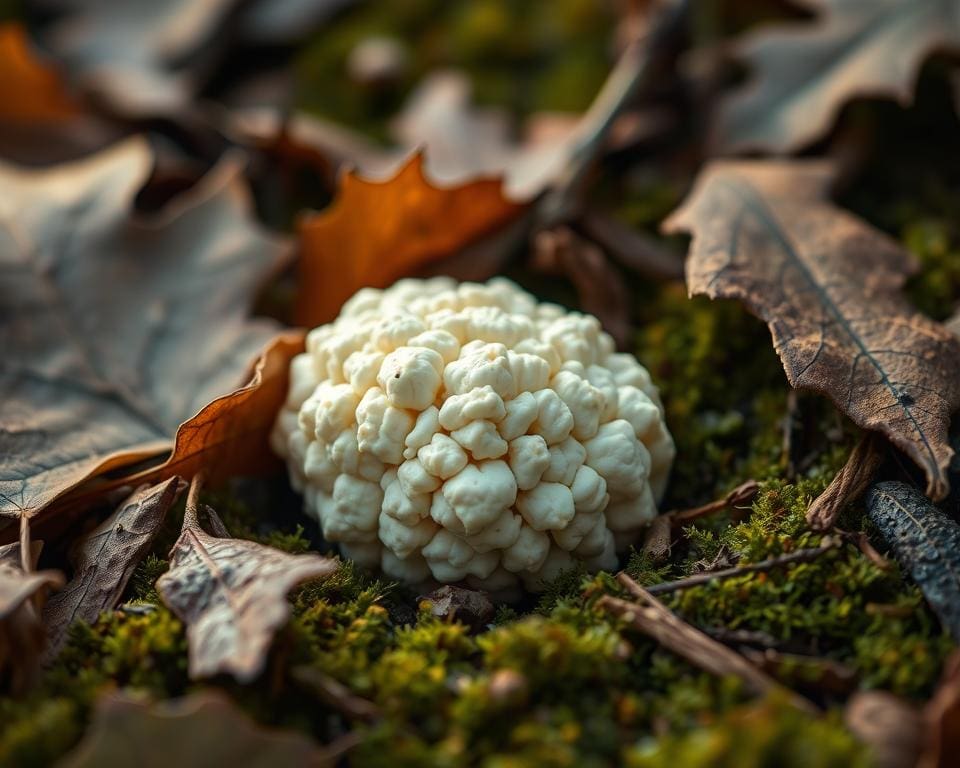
(231, 594)
(925, 541)
(119, 329)
(105, 558)
(22, 635)
(468, 606)
(203, 729)
(378, 231)
(828, 285)
(803, 73)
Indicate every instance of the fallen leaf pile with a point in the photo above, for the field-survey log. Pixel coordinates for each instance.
(170, 217)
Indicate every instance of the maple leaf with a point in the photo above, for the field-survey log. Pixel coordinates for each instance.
(104, 560)
(231, 594)
(118, 329)
(378, 231)
(828, 285)
(804, 73)
(203, 729)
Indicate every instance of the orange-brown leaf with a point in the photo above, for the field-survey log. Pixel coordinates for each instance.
(378, 231)
(829, 287)
(32, 90)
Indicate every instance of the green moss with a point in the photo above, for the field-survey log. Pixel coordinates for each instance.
(528, 57)
(767, 734)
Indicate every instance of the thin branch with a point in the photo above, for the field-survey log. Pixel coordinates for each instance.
(191, 514)
(742, 494)
(336, 695)
(26, 551)
(562, 202)
(791, 558)
(650, 617)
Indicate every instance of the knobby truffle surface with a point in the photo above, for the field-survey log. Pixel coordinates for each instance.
(466, 432)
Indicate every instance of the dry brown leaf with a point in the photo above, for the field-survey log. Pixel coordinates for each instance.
(120, 329)
(890, 726)
(829, 287)
(22, 636)
(378, 231)
(105, 558)
(201, 730)
(231, 594)
(32, 89)
(803, 73)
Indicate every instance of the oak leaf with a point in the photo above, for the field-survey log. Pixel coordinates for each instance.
(803, 73)
(828, 285)
(117, 329)
(104, 560)
(378, 231)
(231, 594)
(203, 729)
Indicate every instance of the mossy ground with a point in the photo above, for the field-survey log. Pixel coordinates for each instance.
(556, 681)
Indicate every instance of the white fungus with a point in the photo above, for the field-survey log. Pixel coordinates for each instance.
(466, 432)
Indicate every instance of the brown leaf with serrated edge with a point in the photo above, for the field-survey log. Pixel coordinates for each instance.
(118, 328)
(32, 90)
(105, 558)
(22, 635)
(203, 729)
(829, 287)
(231, 594)
(378, 231)
(803, 73)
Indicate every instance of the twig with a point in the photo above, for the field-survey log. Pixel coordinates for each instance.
(650, 617)
(850, 483)
(742, 494)
(26, 551)
(799, 556)
(336, 694)
(561, 203)
(191, 513)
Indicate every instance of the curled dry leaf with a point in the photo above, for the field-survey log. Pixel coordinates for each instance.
(891, 727)
(850, 483)
(22, 635)
(105, 558)
(231, 594)
(829, 287)
(378, 231)
(803, 73)
(203, 729)
(925, 541)
(119, 329)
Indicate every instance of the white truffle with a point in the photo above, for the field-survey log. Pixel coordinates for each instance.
(464, 432)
